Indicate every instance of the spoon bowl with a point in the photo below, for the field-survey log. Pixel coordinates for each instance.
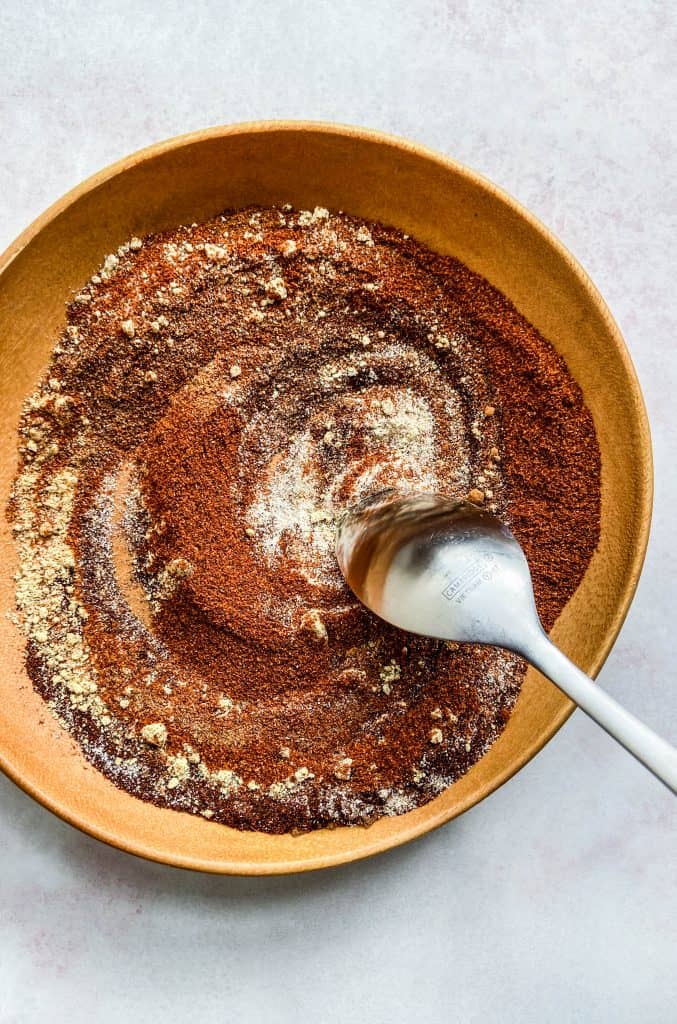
(439, 567)
(449, 569)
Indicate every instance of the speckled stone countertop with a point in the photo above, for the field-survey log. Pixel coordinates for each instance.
(555, 899)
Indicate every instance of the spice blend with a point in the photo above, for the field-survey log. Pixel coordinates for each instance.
(220, 394)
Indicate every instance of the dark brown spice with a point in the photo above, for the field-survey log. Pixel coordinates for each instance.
(218, 397)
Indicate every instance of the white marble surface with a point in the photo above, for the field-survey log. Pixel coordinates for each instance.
(555, 900)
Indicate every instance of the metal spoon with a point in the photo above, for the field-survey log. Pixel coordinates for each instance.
(451, 570)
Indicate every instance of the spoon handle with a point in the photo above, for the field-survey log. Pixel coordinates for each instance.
(653, 752)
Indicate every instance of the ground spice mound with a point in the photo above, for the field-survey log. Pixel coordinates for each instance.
(220, 394)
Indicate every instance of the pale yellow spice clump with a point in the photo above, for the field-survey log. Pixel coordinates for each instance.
(390, 673)
(155, 733)
(343, 770)
(312, 623)
(179, 770)
(276, 288)
(363, 234)
(308, 217)
(215, 252)
(45, 594)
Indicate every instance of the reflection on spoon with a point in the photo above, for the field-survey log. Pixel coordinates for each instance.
(449, 569)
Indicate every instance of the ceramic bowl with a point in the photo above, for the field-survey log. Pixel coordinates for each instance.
(451, 210)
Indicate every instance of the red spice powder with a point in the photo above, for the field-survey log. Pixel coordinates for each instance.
(231, 388)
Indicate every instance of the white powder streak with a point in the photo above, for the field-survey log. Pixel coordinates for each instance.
(295, 505)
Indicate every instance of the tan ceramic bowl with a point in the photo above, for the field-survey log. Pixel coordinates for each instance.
(451, 210)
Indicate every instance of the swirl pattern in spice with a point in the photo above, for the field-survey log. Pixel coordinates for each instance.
(220, 394)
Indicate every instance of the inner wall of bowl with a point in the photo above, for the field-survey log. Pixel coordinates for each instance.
(450, 211)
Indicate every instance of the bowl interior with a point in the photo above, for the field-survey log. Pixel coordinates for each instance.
(452, 211)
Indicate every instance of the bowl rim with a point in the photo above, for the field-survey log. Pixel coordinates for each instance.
(645, 483)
